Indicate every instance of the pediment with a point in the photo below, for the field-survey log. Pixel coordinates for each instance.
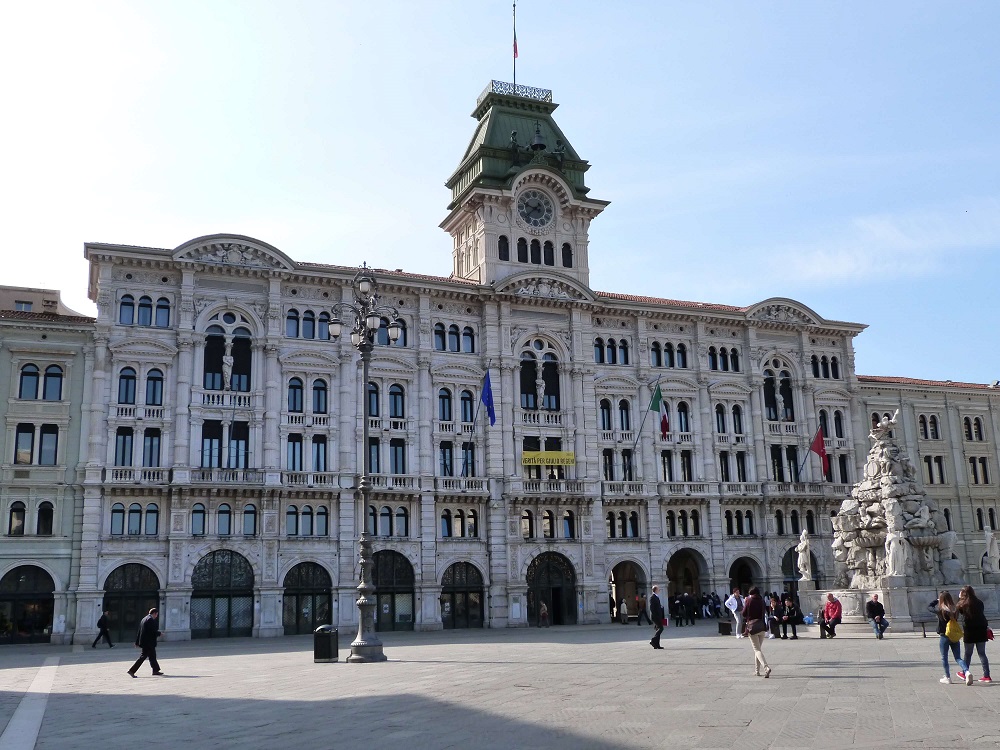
(729, 389)
(831, 393)
(679, 384)
(617, 382)
(544, 286)
(783, 310)
(233, 250)
(141, 346)
(385, 364)
(458, 372)
(309, 359)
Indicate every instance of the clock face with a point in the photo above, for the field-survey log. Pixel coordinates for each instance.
(534, 208)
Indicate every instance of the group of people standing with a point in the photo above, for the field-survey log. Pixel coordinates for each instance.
(962, 622)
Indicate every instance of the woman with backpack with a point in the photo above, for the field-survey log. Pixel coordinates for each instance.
(755, 629)
(950, 633)
(977, 632)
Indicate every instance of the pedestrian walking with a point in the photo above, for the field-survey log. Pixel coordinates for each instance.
(659, 617)
(689, 607)
(145, 639)
(102, 630)
(543, 615)
(677, 611)
(947, 618)
(875, 613)
(831, 615)
(623, 611)
(977, 632)
(790, 615)
(735, 605)
(755, 629)
(642, 611)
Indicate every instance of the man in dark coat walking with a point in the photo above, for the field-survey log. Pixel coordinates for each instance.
(659, 616)
(145, 639)
(102, 630)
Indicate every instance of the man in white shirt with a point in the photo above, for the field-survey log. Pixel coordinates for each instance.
(735, 605)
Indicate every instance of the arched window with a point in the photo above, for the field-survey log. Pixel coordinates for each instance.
(609, 525)
(292, 324)
(835, 368)
(440, 342)
(599, 351)
(319, 396)
(292, 521)
(824, 364)
(472, 524)
(623, 524)
(977, 423)
(527, 524)
(152, 519)
(682, 356)
(671, 524)
(306, 518)
(720, 419)
(528, 375)
(536, 252)
(323, 326)
(814, 360)
(522, 250)
(569, 527)
(734, 360)
(117, 519)
(385, 521)
(739, 523)
(623, 352)
(154, 388)
(145, 311)
(749, 517)
(668, 355)
(249, 520)
(612, 349)
(373, 406)
(444, 405)
(655, 355)
(933, 424)
(729, 522)
(402, 521)
(810, 522)
(372, 520)
(15, 521)
(126, 386)
(737, 420)
(605, 415)
(794, 518)
(824, 423)
(625, 414)
(947, 518)
(43, 523)
(993, 519)
(295, 395)
(446, 523)
(548, 524)
(162, 313)
(633, 524)
(382, 334)
(503, 247)
(979, 520)
(550, 376)
(724, 359)
(468, 340)
(967, 423)
(322, 521)
(567, 255)
(785, 391)
(458, 523)
(198, 519)
(28, 386)
(468, 405)
(126, 310)
(397, 402)
(713, 359)
(922, 424)
(453, 338)
(224, 519)
(683, 420)
(682, 522)
(52, 387)
(838, 424)
(548, 253)
(770, 396)
(401, 341)
(309, 325)
(134, 519)
(779, 523)
(695, 523)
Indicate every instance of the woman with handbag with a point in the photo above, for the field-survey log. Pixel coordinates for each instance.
(755, 629)
(950, 634)
(977, 628)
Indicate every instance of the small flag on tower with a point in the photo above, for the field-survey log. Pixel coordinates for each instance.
(818, 447)
(487, 399)
(658, 404)
(515, 31)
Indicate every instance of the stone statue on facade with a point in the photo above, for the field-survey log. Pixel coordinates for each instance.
(227, 368)
(805, 559)
(540, 390)
(990, 564)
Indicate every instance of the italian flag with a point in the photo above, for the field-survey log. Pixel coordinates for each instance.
(659, 405)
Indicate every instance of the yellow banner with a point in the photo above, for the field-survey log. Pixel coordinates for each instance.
(548, 458)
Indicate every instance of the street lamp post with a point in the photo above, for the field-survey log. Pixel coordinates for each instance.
(366, 312)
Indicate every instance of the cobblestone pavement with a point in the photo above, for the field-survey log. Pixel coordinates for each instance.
(563, 687)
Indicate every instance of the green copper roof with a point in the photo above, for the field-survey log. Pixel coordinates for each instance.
(508, 118)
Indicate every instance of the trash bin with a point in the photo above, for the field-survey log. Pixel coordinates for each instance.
(725, 628)
(325, 646)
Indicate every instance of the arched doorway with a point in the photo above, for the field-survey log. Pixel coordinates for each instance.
(462, 596)
(222, 596)
(687, 571)
(306, 602)
(26, 605)
(394, 591)
(551, 579)
(790, 572)
(744, 572)
(626, 581)
(129, 593)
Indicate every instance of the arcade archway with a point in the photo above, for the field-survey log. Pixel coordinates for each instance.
(222, 596)
(551, 579)
(687, 571)
(462, 596)
(626, 581)
(26, 605)
(305, 604)
(129, 593)
(745, 572)
(395, 592)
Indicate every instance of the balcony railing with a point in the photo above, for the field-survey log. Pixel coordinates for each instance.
(741, 488)
(131, 411)
(782, 428)
(548, 486)
(684, 488)
(227, 476)
(542, 418)
(134, 475)
(609, 489)
(227, 399)
(393, 481)
(309, 478)
(460, 484)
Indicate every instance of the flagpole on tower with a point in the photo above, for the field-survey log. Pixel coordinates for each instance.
(515, 45)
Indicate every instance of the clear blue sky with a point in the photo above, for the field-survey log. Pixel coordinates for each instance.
(843, 154)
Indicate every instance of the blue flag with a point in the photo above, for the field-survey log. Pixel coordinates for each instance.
(487, 399)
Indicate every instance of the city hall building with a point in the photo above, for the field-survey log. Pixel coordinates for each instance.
(203, 447)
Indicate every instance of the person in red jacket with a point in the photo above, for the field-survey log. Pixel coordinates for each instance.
(831, 615)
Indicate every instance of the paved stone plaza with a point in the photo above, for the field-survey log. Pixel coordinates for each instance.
(572, 687)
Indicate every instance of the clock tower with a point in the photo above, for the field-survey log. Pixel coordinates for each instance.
(518, 198)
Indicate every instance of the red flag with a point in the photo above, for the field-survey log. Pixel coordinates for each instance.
(818, 446)
(515, 45)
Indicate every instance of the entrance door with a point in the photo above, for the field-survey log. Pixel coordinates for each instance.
(627, 582)
(26, 605)
(551, 579)
(306, 601)
(462, 597)
(129, 593)
(222, 596)
(392, 575)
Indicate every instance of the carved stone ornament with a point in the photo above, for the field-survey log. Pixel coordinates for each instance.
(782, 314)
(233, 254)
(544, 288)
